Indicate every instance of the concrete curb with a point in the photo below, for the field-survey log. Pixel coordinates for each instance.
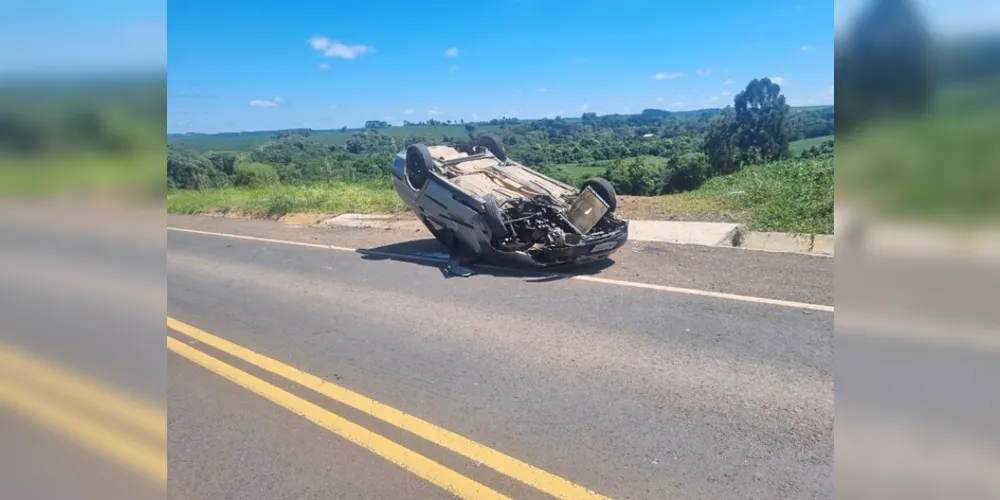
(712, 234)
(373, 221)
(818, 244)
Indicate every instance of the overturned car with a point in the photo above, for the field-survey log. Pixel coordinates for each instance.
(488, 206)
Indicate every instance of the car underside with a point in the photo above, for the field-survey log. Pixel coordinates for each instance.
(498, 207)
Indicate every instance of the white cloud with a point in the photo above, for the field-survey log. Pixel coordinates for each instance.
(543, 90)
(806, 48)
(319, 42)
(714, 98)
(659, 99)
(452, 68)
(409, 111)
(332, 48)
(435, 111)
(727, 82)
(452, 52)
(584, 107)
(324, 66)
(348, 51)
(725, 93)
(475, 116)
(667, 76)
(266, 103)
(777, 79)
(703, 72)
(333, 106)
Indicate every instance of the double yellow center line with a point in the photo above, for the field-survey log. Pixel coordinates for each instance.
(423, 467)
(99, 418)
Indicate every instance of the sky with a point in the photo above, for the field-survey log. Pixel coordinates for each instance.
(267, 65)
(73, 37)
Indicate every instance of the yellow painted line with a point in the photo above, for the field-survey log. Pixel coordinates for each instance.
(417, 464)
(591, 279)
(150, 461)
(38, 372)
(505, 464)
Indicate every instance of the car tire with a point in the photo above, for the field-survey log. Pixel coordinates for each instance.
(493, 216)
(604, 189)
(494, 145)
(418, 162)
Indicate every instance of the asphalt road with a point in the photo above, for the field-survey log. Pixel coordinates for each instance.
(623, 391)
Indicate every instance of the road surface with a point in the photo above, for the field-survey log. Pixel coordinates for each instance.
(521, 386)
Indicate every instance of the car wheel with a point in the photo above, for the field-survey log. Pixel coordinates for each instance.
(494, 218)
(418, 162)
(494, 145)
(604, 189)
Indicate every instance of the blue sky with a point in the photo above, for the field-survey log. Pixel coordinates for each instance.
(71, 37)
(265, 65)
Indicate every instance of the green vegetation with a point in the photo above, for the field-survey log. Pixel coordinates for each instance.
(278, 200)
(651, 153)
(798, 147)
(918, 113)
(790, 195)
(943, 164)
(102, 134)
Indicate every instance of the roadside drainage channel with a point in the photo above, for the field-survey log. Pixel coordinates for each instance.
(713, 234)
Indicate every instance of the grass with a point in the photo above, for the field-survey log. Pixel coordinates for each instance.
(943, 165)
(576, 173)
(281, 199)
(599, 166)
(799, 146)
(139, 174)
(787, 196)
(793, 196)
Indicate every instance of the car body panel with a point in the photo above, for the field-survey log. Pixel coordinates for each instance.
(451, 205)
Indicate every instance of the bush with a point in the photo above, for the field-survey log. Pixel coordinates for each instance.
(255, 175)
(685, 173)
(635, 178)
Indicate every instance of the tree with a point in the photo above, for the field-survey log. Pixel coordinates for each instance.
(636, 177)
(470, 128)
(224, 162)
(255, 175)
(883, 67)
(684, 173)
(761, 112)
(720, 144)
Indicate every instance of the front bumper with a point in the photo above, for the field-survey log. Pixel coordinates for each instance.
(587, 251)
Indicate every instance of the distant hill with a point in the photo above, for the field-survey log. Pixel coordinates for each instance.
(436, 131)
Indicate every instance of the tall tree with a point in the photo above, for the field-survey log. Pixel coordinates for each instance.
(761, 112)
(720, 144)
(883, 67)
